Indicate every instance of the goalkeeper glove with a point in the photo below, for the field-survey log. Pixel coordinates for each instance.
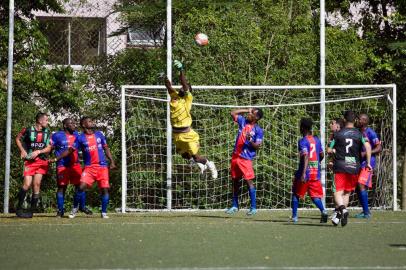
(178, 64)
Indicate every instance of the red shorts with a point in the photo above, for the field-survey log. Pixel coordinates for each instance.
(37, 166)
(313, 187)
(345, 181)
(96, 173)
(241, 168)
(68, 175)
(365, 177)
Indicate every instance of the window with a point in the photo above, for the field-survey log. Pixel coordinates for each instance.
(139, 37)
(74, 41)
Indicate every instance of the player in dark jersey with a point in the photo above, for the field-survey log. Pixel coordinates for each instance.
(68, 169)
(365, 176)
(307, 177)
(248, 141)
(32, 142)
(335, 126)
(346, 147)
(94, 148)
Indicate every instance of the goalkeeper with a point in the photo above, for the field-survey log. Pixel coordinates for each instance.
(186, 139)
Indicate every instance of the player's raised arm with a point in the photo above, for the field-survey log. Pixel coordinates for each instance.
(169, 87)
(235, 113)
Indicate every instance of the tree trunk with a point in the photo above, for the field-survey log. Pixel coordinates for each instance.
(404, 182)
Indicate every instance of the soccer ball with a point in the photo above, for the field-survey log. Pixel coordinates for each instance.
(201, 39)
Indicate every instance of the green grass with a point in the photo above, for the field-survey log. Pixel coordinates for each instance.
(202, 240)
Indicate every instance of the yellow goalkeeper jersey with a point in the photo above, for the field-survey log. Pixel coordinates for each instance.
(180, 110)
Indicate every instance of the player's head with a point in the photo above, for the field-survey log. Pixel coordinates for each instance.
(69, 125)
(363, 120)
(86, 122)
(306, 125)
(336, 124)
(41, 119)
(255, 115)
(349, 117)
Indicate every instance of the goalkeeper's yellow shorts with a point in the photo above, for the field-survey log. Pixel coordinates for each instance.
(187, 142)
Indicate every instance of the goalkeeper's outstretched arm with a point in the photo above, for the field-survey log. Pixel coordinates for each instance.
(183, 81)
(169, 86)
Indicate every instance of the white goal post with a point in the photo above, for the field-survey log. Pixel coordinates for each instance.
(147, 185)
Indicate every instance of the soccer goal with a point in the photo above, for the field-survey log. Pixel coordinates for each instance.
(154, 177)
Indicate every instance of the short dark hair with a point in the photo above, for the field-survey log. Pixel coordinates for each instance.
(259, 113)
(340, 122)
(66, 120)
(306, 124)
(364, 114)
(83, 119)
(39, 116)
(350, 116)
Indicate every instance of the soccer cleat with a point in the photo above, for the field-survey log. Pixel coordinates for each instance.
(104, 215)
(73, 213)
(232, 210)
(24, 214)
(60, 214)
(212, 168)
(87, 211)
(363, 215)
(294, 219)
(324, 217)
(252, 212)
(344, 219)
(335, 219)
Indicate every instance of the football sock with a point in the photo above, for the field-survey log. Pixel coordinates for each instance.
(60, 200)
(363, 195)
(235, 200)
(318, 203)
(104, 202)
(253, 197)
(295, 205)
(21, 197)
(76, 198)
(34, 200)
(80, 198)
(82, 203)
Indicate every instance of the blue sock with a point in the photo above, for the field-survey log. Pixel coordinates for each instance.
(235, 200)
(80, 198)
(318, 203)
(253, 197)
(76, 199)
(104, 202)
(295, 205)
(60, 200)
(363, 195)
(83, 200)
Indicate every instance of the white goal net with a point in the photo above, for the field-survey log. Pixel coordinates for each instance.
(154, 180)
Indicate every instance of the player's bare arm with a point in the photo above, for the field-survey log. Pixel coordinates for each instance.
(68, 151)
(110, 157)
(20, 146)
(305, 164)
(183, 81)
(367, 146)
(234, 113)
(168, 86)
(46, 150)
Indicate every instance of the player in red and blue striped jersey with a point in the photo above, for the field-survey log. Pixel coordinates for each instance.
(94, 149)
(68, 169)
(307, 177)
(248, 141)
(365, 175)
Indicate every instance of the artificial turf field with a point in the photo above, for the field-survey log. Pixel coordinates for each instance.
(202, 240)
